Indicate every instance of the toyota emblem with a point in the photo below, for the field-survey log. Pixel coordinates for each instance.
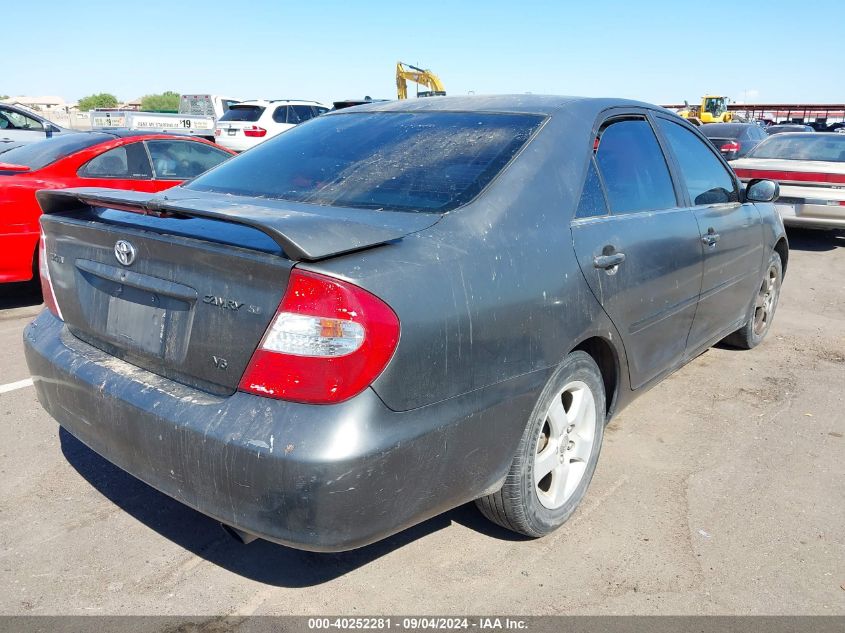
(124, 252)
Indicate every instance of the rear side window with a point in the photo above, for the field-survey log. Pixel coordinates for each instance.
(707, 180)
(592, 201)
(633, 168)
(249, 113)
(126, 161)
(280, 114)
(180, 160)
(293, 114)
(303, 112)
(423, 161)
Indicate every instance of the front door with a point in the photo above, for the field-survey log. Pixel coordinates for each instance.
(639, 250)
(730, 234)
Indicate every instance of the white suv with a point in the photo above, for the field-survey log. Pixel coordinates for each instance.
(248, 123)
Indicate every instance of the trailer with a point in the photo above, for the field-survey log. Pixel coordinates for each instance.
(197, 116)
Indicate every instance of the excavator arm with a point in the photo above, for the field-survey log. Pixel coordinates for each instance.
(406, 72)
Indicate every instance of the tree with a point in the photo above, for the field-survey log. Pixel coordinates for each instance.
(102, 100)
(167, 101)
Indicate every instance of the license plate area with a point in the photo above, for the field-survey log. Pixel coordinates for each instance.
(137, 318)
(231, 131)
(142, 315)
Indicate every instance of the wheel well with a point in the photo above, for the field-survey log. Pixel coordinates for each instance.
(36, 274)
(605, 356)
(783, 250)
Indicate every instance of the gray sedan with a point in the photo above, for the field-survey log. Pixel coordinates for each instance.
(395, 309)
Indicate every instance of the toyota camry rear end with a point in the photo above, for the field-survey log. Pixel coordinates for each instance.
(202, 340)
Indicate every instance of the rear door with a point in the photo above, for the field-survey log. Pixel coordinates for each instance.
(638, 246)
(731, 234)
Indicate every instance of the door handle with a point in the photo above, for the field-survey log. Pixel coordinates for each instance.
(711, 237)
(608, 262)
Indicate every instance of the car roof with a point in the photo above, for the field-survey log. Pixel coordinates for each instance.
(265, 102)
(527, 103)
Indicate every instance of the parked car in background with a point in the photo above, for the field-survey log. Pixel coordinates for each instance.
(734, 140)
(250, 122)
(19, 126)
(781, 128)
(540, 259)
(95, 159)
(811, 171)
(351, 103)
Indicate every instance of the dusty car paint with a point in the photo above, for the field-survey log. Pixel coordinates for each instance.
(491, 297)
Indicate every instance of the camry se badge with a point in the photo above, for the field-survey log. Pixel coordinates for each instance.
(124, 252)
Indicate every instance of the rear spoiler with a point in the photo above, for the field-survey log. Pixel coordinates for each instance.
(303, 231)
(13, 167)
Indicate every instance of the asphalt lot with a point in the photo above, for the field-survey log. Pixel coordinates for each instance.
(720, 491)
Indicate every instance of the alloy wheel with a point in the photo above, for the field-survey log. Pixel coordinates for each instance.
(564, 444)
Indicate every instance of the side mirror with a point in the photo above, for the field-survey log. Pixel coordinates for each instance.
(762, 191)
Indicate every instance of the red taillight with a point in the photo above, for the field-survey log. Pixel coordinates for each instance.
(327, 343)
(46, 282)
(254, 130)
(791, 176)
(731, 146)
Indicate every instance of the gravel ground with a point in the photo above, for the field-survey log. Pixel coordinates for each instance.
(721, 491)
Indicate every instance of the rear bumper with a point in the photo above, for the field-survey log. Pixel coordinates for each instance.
(238, 143)
(321, 478)
(812, 214)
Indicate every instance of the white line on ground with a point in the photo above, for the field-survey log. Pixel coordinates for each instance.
(20, 384)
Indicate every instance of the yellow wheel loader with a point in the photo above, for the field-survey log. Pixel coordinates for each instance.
(713, 109)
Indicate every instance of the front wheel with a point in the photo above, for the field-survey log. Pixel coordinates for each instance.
(762, 311)
(557, 454)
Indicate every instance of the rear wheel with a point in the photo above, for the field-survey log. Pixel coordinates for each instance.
(557, 454)
(763, 308)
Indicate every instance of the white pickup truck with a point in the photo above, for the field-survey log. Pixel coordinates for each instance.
(197, 116)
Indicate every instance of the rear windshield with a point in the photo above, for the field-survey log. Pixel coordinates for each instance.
(818, 147)
(243, 113)
(42, 153)
(722, 130)
(424, 161)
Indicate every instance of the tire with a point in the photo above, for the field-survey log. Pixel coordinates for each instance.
(762, 309)
(569, 413)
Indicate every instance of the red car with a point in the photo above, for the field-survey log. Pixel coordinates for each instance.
(120, 160)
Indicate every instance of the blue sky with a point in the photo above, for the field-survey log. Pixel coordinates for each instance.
(661, 52)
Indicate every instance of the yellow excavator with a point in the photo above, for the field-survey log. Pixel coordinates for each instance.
(406, 72)
(713, 109)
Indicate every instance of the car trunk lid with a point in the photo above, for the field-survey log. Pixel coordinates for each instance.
(793, 172)
(185, 288)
